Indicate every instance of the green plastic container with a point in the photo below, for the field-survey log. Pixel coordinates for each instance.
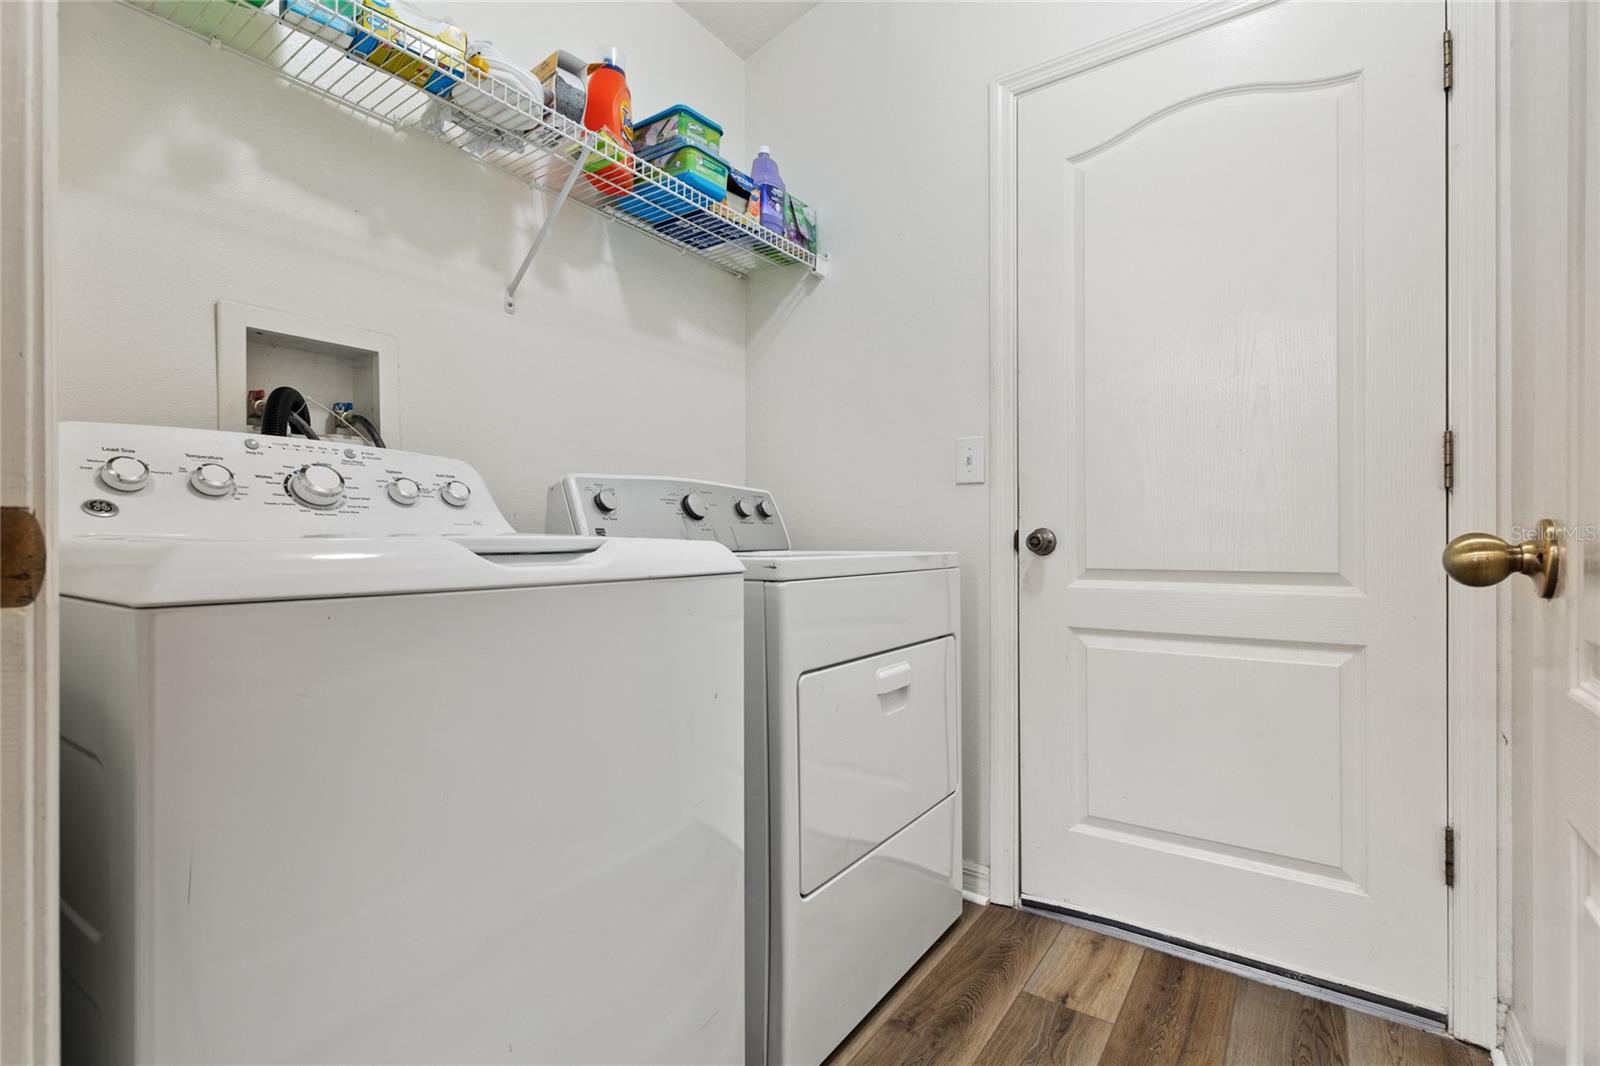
(673, 128)
(697, 168)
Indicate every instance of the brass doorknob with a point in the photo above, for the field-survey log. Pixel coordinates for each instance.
(1483, 559)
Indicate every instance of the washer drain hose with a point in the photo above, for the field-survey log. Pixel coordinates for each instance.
(286, 407)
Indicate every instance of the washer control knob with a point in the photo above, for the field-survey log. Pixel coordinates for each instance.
(124, 473)
(606, 500)
(764, 507)
(455, 493)
(404, 491)
(694, 505)
(211, 479)
(317, 485)
(744, 507)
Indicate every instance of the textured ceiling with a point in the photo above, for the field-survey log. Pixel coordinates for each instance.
(745, 25)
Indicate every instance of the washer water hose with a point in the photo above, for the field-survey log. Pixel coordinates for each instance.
(364, 424)
(285, 407)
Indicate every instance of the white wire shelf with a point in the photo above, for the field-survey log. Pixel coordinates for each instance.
(412, 81)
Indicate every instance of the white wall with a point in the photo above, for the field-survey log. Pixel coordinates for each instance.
(859, 384)
(190, 175)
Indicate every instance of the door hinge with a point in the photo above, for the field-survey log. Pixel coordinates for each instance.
(1450, 856)
(1449, 61)
(1449, 459)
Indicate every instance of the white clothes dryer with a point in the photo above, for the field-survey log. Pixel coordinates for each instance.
(853, 730)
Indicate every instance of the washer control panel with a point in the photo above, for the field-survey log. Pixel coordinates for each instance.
(159, 481)
(627, 505)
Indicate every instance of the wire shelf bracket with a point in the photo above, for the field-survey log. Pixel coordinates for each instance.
(544, 231)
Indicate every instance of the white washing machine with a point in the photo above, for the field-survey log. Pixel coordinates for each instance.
(852, 697)
(351, 772)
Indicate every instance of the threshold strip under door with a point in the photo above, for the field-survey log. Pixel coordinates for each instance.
(1341, 995)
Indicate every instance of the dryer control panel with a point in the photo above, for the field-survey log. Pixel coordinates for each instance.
(741, 518)
(163, 481)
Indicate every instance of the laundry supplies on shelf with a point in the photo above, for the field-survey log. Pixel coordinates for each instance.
(563, 76)
(445, 47)
(414, 47)
(767, 204)
(702, 230)
(800, 222)
(687, 165)
(675, 127)
(386, 61)
(378, 39)
(498, 91)
(332, 21)
(609, 113)
(741, 190)
(699, 168)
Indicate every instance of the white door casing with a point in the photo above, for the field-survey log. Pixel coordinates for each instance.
(1553, 301)
(1231, 359)
(29, 969)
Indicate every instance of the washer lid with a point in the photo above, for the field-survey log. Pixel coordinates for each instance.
(136, 571)
(808, 565)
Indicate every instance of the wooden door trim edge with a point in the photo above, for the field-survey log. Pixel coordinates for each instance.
(1474, 622)
(30, 918)
(1473, 400)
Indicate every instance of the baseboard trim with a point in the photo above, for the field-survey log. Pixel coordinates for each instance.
(1518, 1052)
(975, 882)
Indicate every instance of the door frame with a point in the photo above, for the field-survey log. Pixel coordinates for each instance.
(29, 808)
(1472, 397)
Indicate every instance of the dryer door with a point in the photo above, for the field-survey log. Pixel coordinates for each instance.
(878, 748)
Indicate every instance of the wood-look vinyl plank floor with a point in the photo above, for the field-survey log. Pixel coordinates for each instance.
(957, 1005)
(1174, 1012)
(1087, 972)
(897, 995)
(1005, 986)
(1043, 1031)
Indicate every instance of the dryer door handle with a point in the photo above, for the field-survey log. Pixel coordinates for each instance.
(894, 677)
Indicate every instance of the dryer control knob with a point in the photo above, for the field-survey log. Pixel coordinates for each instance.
(124, 473)
(606, 500)
(212, 479)
(694, 505)
(317, 485)
(455, 493)
(404, 491)
(764, 508)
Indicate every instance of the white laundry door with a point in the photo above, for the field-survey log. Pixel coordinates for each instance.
(1231, 395)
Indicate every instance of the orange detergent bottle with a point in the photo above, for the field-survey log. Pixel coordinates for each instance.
(609, 112)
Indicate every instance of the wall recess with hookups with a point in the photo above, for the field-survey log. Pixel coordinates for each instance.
(332, 365)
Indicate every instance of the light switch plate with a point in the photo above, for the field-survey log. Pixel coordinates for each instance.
(971, 466)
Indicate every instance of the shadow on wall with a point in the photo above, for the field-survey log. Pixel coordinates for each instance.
(773, 296)
(271, 162)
